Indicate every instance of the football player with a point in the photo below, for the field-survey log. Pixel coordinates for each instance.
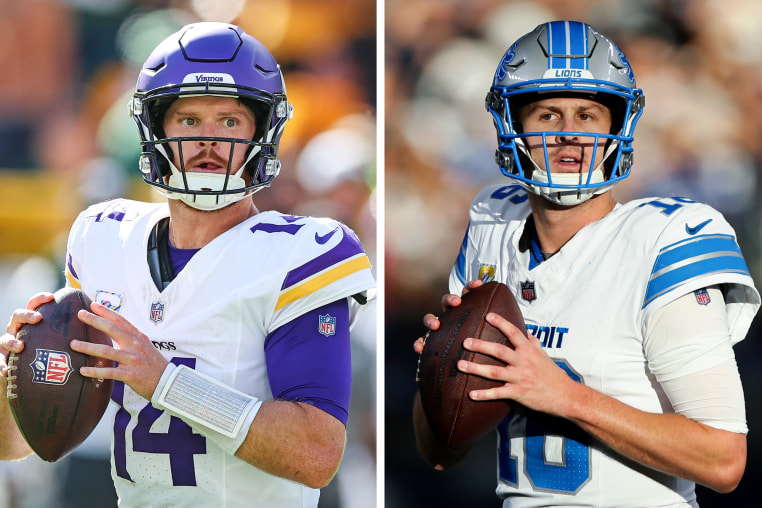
(231, 325)
(626, 389)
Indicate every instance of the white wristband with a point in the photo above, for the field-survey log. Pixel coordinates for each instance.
(218, 411)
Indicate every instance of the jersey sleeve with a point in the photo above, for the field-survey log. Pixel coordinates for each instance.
(459, 274)
(689, 352)
(328, 263)
(697, 249)
(74, 250)
(494, 205)
(309, 359)
(84, 244)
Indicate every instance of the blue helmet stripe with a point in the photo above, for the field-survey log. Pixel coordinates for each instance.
(693, 258)
(567, 38)
(557, 45)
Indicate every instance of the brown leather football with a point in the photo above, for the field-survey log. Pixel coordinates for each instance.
(456, 419)
(55, 407)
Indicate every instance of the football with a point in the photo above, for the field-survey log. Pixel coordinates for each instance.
(55, 407)
(456, 419)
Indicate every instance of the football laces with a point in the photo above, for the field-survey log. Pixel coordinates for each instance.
(11, 386)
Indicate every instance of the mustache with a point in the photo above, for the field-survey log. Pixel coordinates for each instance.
(206, 155)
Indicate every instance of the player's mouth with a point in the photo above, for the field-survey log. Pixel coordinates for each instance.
(207, 167)
(568, 162)
(206, 164)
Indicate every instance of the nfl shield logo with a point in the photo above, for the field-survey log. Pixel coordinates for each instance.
(51, 367)
(527, 291)
(327, 325)
(157, 312)
(702, 296)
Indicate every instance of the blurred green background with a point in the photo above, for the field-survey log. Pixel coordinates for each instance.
(67, 140)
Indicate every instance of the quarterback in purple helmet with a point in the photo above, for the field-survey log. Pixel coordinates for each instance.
(231, 325)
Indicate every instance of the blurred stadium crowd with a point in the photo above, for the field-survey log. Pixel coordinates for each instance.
(67, 140)
(700, 65)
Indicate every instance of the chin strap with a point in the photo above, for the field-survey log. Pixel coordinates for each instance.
(210, 182)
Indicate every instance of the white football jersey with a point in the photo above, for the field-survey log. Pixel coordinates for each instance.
(213, 317)
(590, 305)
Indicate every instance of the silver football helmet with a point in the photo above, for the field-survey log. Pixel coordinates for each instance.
(565, 58)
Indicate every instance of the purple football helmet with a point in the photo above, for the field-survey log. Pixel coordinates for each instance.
(215, 59)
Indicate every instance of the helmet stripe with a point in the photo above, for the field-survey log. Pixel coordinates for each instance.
(567, 38)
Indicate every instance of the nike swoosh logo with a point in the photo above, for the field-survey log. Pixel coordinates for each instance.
(321, 239)
(696, 229)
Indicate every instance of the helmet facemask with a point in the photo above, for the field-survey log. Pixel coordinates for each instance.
(207, 191)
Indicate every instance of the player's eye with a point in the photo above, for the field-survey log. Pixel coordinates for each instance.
(230, 122)
(188, 122)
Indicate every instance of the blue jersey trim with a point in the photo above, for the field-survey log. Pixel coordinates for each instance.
(692, 247)
(460, 263)
(693, 258)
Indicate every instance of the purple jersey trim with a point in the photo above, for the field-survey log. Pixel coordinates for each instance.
(291, 229)
(348, 246)
(179, 257)
(304, 365)
(71, 266)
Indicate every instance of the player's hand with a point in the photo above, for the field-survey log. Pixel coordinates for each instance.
(531, 377)
(140, 365)
(431, 322)
(20, 317)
